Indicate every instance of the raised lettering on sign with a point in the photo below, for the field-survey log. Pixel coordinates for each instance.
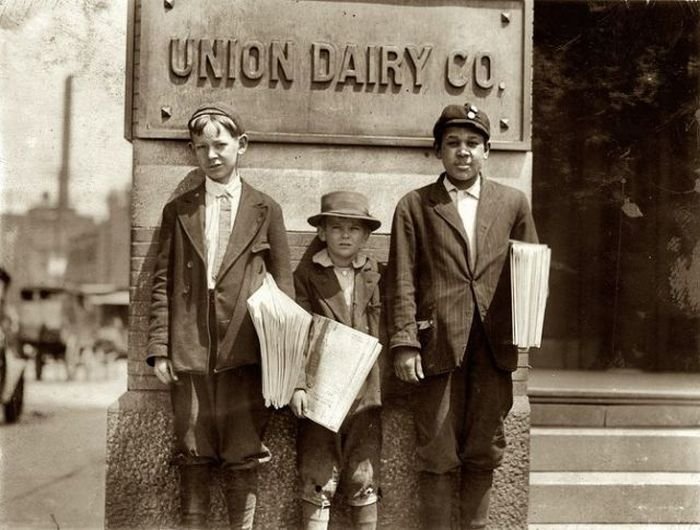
(227, 57)
(379, 65)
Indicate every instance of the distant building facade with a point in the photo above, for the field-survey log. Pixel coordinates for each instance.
(49, 245)
(101, 254)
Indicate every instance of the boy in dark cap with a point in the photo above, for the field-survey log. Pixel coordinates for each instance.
(342, 283)
(216, 243)
(450, 318)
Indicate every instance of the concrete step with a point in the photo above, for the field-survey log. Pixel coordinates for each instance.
(617, 414)
(615, 526)
(614, 398)
(614, 498)
(615, 449)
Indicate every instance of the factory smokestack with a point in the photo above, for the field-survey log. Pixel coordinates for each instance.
(64, 176)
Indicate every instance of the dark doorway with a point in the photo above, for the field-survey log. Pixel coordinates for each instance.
(616, 183)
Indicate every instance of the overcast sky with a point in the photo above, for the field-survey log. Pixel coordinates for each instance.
(41, 43)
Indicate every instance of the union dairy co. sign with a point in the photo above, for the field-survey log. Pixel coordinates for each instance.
(315, 71)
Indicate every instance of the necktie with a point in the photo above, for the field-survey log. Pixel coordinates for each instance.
(224, 227)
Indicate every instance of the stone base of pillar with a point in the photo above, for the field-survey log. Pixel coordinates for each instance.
(142, 484)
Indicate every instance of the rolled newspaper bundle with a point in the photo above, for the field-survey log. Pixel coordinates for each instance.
(529, 273)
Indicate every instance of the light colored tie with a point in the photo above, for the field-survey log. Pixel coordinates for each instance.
(224, 227)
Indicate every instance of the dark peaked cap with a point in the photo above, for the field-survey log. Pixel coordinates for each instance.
(466, 115)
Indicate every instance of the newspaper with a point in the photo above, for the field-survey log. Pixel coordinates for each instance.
(336, 357)
(283, 328)
(338, 362)
(529, 269)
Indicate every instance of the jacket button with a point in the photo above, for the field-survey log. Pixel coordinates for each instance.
(189, 264)
(186, 289)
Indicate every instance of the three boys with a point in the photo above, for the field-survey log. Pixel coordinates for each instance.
(449, 324)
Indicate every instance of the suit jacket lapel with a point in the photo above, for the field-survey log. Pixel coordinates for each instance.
(190, 211)
(485, 215)
(446, 209)
(365, 283)
(249, 218)
(329, 291)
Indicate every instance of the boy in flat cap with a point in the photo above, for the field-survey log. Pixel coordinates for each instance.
(450, 318)
(342, 283)
(216, 243)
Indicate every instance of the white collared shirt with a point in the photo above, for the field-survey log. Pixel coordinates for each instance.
(345, 275)
(214, 191)
(467, 202)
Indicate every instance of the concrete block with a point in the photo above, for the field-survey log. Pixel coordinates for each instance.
(595, 497)
(142, 484)
(551, 414)
(615, 449)
(677, 415)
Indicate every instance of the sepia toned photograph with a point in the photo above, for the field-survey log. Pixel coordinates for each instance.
(329, 264)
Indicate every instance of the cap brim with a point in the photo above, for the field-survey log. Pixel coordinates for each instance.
(463, 122)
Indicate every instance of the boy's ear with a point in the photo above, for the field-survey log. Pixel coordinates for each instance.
(242, 143)
(438, 151)
(321, 232)
(487, 149)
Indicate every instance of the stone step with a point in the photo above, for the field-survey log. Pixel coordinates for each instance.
(618, 414)
(616, 526)
(615, 449)
(614, 498)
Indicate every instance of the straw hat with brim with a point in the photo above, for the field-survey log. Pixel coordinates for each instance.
(348, 204)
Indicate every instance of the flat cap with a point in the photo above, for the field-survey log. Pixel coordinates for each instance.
(466, 115)
(218, 108)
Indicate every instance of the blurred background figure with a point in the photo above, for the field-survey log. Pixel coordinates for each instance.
(12, 362)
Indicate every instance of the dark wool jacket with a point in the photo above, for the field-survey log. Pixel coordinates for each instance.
(318, 291)
(434, 291)
(179, 306)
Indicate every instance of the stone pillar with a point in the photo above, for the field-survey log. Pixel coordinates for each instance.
(296, 168)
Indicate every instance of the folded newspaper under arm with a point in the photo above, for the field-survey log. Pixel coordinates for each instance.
(529, 270)
(337, 357)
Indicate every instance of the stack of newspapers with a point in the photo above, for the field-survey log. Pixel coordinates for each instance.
(283, 329)
(336, 357)
(529, 269)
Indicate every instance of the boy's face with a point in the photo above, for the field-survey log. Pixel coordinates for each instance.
(217, 151)
(463, 152)
(344, 238)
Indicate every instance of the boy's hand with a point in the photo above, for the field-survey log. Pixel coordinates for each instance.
(163, 369)
(408, 364)
(299, 403)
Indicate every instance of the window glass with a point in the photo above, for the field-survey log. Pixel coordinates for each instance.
(616, 182)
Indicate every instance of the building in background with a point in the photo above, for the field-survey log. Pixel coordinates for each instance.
(53, 245)
(33, 246)
(100, 255)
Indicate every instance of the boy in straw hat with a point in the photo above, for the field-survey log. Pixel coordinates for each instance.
(342, 283)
